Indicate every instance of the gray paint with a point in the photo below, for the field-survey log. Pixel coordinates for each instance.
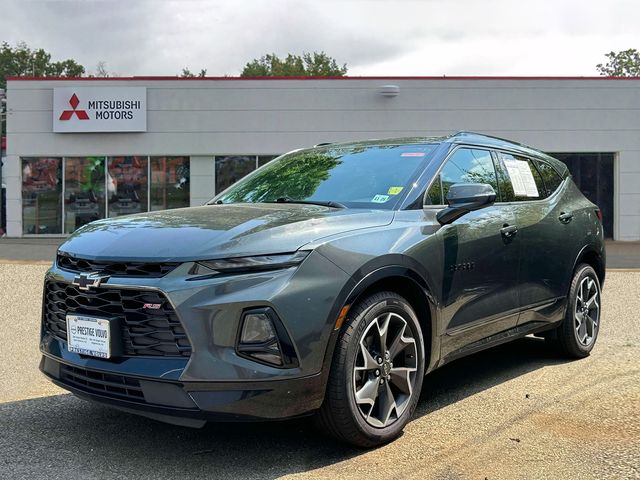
(202, 118)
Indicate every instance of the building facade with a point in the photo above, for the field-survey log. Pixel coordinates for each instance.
(83, 149)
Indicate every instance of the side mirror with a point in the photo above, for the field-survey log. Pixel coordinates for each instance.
(463, 198)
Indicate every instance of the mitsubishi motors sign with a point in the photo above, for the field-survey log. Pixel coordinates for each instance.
(99, 109)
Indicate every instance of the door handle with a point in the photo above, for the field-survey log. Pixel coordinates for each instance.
(509, 231)
(565, 217)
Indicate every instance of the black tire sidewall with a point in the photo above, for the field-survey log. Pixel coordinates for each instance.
(570, 338)
(396, 304)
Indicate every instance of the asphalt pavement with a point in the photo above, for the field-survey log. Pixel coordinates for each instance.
(517, 411)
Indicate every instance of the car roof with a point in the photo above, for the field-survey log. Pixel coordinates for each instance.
(460, 138)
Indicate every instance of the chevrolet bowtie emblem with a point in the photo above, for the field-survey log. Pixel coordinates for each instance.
(85, 281)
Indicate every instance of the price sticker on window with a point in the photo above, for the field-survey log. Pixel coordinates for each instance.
(524, 185)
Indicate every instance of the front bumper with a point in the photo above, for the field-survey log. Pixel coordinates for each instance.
(215, 382)
(189, 404)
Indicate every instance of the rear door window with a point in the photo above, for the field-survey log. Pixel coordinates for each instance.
(519, 179)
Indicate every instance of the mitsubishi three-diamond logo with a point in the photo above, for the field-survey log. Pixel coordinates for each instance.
(67, 114)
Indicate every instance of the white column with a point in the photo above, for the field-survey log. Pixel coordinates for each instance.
(12, 178)
(202, 180)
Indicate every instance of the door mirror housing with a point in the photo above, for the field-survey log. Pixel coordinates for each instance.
(463, 198)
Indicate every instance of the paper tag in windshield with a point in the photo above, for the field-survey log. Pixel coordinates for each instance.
(394, 190)
(380, 199)
(412, 154)
(521, 178)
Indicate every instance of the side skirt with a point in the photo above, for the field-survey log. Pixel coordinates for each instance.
(498, 339)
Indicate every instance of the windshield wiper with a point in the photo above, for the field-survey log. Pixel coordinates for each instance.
(328, 203)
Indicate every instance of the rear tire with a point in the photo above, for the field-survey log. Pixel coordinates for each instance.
(369, 400)
(577, 334)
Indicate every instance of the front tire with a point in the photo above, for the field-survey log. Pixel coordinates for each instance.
(376, 374)
(577, 334)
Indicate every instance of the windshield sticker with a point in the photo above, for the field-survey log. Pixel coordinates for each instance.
(380, 198)
(521, 178)
(412, 154)
(394, 190)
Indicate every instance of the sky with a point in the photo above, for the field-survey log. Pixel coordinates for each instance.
(373, 37)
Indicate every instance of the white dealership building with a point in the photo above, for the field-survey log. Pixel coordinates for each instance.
(82, 149)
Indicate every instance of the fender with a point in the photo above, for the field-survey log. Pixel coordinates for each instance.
(373, 271)
(599, 252)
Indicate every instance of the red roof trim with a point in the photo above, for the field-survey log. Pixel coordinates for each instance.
(151, 78)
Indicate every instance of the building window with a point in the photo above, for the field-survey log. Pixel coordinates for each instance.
(230, 169)
(127, 179)
(41, 195)
(84, 199)
(169, 182)
(264, 159)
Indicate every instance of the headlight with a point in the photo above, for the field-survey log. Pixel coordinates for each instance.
(249, 264)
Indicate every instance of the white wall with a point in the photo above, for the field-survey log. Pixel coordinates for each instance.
(231, 116)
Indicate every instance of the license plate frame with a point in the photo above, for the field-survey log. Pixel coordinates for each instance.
(91, 336)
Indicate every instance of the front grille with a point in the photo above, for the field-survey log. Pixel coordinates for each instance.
(154, 332)
(116, 269)
(105, 384)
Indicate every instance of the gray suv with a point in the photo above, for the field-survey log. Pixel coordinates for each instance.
(329, 282)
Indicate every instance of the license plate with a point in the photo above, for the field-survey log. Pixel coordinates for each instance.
(89, 336)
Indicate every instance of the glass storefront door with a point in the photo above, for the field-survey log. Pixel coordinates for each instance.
(127, 185)
(169, 182)
(42, 195)
(83, 191)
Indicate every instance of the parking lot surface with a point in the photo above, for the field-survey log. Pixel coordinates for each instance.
(516, 411)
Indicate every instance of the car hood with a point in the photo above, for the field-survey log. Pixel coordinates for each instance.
(216, 231)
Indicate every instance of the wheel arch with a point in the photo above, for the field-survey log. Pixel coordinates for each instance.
(591, 256)
(408, 283)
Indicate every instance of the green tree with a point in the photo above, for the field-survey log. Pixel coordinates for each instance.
(297, 177)
(621, 64)
(20, 61)
(316, 64)
(186, 73)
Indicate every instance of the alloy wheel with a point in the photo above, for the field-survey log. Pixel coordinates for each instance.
(384, 375)
(587, 311)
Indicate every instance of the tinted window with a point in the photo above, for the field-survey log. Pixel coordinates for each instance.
(127, 185)
(367, 176)
(466, 165)
(515, 174)
(169, 182)
(41, 195)
(550, 177)
(231, 168)
(84, 191)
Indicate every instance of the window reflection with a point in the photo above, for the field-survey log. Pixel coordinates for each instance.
(127, 185)
(550, 177)
(230, 169)
(169, 182)
(41, 195)
(84, 199)
(465, 166)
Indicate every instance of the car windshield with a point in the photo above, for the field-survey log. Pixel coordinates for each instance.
(362, 176)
